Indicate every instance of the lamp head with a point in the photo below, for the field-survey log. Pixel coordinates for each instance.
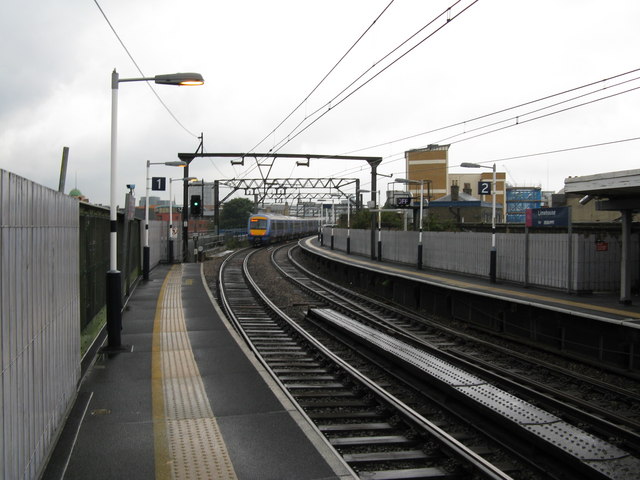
(179, 79)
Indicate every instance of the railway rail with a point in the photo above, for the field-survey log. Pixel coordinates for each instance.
(400, 331)
(610, 410)
(379, 436)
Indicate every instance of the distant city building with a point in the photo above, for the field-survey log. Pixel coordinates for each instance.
(432, 164)
(519, 199)
(153, 202)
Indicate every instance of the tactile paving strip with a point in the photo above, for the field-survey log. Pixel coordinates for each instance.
(196, 447)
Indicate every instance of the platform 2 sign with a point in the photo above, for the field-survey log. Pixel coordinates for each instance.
(547, 217)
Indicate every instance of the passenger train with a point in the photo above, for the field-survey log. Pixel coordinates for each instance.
(266, 228)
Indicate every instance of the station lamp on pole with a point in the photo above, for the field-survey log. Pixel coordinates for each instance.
(421, 183)
(493, 254)
(114, 280)
(145, 248)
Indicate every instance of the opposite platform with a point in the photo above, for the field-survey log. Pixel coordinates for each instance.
(186, 400)
(604, 308)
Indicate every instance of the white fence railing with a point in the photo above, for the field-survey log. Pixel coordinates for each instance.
(538, 259)
(39, 323)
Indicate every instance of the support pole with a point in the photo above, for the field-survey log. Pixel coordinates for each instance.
(63, 169)
(145, 249)
(114, 280)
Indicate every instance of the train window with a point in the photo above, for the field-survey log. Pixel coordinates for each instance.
(259, 223)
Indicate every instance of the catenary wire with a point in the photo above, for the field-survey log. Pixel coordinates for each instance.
(517, 117)
(330, 106)
(140, 71)
(326, 76)
(504, 110)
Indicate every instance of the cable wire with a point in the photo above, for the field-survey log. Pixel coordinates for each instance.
(330, 106)
(140, 71)
(326, 76)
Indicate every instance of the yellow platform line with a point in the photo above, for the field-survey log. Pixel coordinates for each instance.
(187, 440)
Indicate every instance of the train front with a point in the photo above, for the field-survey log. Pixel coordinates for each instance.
(258, 230)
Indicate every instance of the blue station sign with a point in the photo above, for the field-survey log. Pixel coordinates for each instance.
(547, 217)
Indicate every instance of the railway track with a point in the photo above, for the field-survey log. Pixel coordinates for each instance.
(609, 410)
(378, 436)
(586, 403)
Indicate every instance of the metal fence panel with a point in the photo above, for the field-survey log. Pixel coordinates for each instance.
(590, 269)
(548, 264)
(40, 318)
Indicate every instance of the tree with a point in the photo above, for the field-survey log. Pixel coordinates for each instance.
(235, 213)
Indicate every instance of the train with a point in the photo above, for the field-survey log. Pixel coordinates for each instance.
(267, 228)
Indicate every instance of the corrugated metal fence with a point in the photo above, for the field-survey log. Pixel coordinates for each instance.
(40, 320)
(538, 259)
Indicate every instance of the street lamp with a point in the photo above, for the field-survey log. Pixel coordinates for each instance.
(145, 249)
(171, 237)
(114, 280)
(493, 254)
(421, 183)
(379, 228)
(333, 215)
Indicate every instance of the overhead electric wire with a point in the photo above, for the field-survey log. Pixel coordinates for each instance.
(326, 75)
(562, 150)
(497, 112)
(141, 72)
(293, 134)
(257, 162)
(536, 154)
(518, 122)
(547, 97)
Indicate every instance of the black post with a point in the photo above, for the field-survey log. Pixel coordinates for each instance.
(114, 309)
(145, 260)
(420, 256)
(348, 245)
(492, 266)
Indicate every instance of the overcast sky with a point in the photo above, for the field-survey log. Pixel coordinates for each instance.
(260, 59)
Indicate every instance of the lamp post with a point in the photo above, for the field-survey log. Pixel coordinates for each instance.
(145, 249)
(493, 254)
(114, 280)
(421, 183)
(379, 229)
(333, 215)
(171, 237)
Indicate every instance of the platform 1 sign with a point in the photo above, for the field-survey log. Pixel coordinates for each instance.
(158, 183)
(547, 217)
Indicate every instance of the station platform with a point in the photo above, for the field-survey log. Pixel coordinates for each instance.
(600, 307)
(185, 399)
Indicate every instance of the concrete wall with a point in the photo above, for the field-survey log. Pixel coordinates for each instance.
(540, 259)
(40, 321)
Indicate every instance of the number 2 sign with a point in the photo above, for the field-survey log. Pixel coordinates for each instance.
(484, 188)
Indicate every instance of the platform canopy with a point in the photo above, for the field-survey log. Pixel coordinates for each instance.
(615, 190)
